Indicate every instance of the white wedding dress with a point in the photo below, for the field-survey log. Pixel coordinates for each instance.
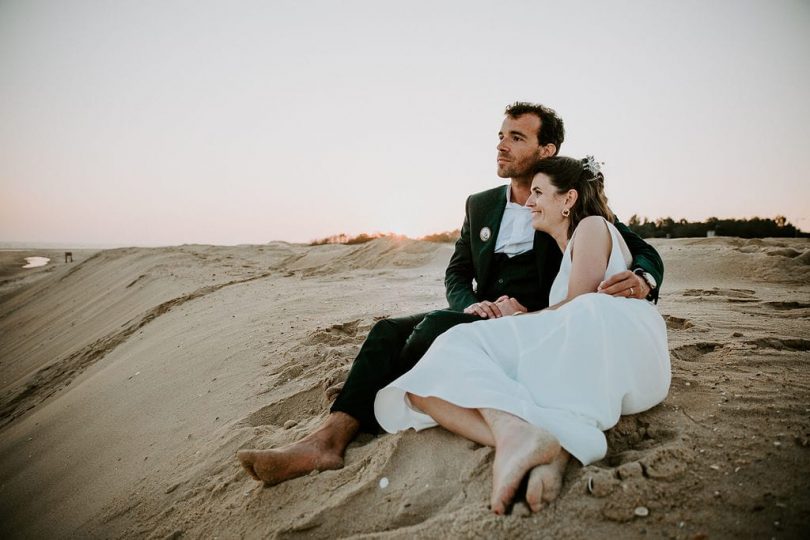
(572, 371)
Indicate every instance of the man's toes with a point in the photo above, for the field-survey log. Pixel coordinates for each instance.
(246, 459)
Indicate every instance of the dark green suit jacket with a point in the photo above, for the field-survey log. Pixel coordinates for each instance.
(473, 255)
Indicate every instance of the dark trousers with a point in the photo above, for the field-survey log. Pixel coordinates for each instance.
(392, 347)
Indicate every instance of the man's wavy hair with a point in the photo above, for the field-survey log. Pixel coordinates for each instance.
(569, 173)
(551, 130)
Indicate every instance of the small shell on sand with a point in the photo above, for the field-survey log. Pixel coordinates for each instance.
(383, 482)
(641, 511)
(601, 483)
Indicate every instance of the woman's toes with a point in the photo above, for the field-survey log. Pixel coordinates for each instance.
(544, 486)
(499, 502)
(534, 489)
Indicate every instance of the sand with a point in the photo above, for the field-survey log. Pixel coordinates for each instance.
(130, 378)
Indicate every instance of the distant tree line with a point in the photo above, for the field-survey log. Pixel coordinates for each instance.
(443, 237)
(660, 228)
(744, 228)
(362, 238)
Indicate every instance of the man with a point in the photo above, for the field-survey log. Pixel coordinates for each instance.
(513, 268)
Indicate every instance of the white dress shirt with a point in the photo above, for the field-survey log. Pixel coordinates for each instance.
(516, 234)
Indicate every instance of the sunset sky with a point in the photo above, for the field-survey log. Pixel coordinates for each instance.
(224, 122)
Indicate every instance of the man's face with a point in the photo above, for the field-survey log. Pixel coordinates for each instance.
(519, 148)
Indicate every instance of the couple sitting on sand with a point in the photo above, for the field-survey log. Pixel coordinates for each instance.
(541, 387)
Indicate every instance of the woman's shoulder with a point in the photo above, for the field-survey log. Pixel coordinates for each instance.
(591, 229)
(592, 225)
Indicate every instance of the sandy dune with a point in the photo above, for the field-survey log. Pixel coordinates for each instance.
(129, 379)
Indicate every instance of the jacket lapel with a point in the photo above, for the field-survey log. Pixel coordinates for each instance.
(492, 219)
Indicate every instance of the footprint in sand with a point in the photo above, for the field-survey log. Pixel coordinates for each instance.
(783, 252)
(695, 352)
(781, 344)
(677, 323)
(729, 295)
(782, 306)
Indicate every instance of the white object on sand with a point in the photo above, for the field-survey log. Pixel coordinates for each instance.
(35, 262)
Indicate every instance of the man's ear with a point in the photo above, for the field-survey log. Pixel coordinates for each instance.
(548, 150)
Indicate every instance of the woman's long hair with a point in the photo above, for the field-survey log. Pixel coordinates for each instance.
(569, 173)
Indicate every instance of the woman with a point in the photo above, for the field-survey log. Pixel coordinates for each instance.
(542, 387)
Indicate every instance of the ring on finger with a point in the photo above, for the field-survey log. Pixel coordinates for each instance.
(632, 293)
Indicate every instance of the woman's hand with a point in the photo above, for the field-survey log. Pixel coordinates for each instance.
(625, 285)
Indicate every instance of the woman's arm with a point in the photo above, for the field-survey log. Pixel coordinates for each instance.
(589, 258)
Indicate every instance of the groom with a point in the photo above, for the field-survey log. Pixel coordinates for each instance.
(513, 267)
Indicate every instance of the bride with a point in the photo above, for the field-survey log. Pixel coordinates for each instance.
(544, 386)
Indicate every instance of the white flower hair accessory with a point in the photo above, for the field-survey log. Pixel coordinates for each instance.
(592, 166)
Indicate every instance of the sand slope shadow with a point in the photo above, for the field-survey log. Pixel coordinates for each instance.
(51, 379)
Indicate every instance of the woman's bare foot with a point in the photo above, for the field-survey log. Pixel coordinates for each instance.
(545, 482)
(519, 447)
(321, 450)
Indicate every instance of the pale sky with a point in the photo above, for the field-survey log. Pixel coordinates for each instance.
(224, 122)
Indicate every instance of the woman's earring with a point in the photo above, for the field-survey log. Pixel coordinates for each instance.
(566, 212)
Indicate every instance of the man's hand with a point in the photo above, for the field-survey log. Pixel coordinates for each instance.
(485, 309)
(501, 307)
(510, 306)
(626, 285)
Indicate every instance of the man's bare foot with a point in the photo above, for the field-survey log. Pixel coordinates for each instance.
(519, 447)
(545, 482)
(321, 450)
(298, 459)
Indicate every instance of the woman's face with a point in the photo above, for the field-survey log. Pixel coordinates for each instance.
(546, 204)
